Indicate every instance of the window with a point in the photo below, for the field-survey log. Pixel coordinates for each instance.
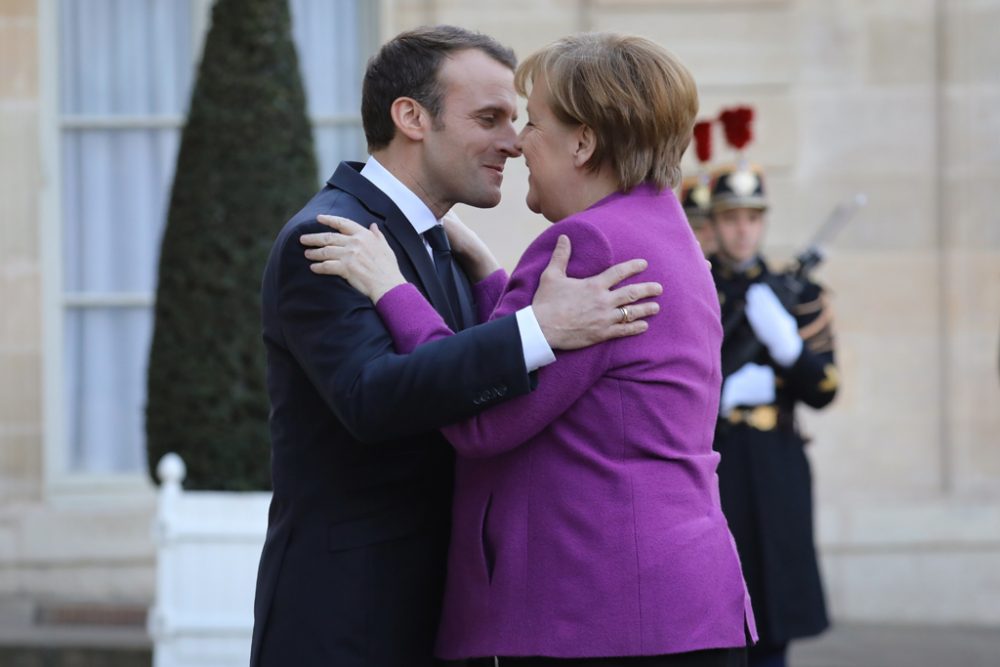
(125, 72)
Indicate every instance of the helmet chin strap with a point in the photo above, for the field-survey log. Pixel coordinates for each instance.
(733, 265)
(727, 258)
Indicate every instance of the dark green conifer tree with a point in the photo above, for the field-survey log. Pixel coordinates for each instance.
(246, 164)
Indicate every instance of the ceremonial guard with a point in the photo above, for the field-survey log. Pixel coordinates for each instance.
(778, 351)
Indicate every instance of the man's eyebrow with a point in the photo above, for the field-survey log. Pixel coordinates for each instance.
(495, 109)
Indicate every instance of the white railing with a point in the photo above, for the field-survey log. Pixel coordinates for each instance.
(207, 548)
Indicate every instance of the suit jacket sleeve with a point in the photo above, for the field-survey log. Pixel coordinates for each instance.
(339, 340)
(415, 325)
(813, 378)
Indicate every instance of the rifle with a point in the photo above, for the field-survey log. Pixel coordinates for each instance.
(787, 285)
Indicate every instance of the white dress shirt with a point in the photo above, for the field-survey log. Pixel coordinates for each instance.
(537, 352)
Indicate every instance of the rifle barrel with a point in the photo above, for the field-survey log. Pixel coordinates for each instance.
(838, 218)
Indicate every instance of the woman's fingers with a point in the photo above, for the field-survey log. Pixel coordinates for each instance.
(331, 267)
(321, 239)
(343, 230)
(325, 252)
(451, 217)
(342, 225)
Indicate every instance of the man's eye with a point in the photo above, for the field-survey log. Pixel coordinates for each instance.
(488, 120)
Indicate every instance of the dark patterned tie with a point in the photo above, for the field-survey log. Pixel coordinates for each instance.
(446, 271)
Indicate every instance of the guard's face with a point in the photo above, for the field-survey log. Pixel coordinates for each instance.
(704, 232)
(467, 148)
(738, 233)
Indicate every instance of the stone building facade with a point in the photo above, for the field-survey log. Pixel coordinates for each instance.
(899, 99)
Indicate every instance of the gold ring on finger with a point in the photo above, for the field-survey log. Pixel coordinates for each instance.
(625, 316)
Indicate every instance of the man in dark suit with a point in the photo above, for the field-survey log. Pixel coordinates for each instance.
(352, 569)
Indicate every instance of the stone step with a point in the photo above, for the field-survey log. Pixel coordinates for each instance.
(67, 656)
(72, 634)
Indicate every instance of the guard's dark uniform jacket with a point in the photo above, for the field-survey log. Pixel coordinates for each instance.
(764, 476)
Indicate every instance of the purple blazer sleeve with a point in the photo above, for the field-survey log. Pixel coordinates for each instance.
(502, 427)
(422, 323)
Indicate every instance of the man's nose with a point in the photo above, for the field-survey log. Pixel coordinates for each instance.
(510, 144)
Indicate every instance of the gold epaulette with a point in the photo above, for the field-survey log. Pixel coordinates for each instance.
(818, 333)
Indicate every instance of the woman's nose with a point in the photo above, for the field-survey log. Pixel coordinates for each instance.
(518, 139)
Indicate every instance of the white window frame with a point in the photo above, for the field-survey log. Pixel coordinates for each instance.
(61, 484)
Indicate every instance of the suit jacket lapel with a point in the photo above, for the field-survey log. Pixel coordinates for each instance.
(348, 178)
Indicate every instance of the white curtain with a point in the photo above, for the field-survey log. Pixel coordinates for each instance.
(332, 43)
(126, 71)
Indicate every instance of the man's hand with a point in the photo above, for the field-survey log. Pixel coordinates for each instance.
(575, 313)
(361, 256)
(773, 325)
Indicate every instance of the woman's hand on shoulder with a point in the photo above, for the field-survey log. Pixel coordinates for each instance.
(357, 254)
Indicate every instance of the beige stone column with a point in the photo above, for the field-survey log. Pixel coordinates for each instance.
(20, 270)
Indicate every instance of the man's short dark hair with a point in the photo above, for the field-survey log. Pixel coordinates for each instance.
(408, 66)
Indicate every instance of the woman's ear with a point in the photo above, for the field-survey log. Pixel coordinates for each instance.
(586, 144)
(410, 117)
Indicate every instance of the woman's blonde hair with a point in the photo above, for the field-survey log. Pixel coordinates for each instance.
(639, 100)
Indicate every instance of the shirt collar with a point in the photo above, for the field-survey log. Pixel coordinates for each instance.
(411, 206)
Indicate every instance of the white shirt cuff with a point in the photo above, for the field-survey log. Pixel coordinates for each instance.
(537, 352)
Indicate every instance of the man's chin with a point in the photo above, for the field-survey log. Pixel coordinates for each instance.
(485, 201)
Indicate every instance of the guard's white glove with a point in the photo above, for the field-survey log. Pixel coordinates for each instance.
(752, 384)
(773, 325)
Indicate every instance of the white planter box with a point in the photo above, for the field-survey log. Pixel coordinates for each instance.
(208, 546)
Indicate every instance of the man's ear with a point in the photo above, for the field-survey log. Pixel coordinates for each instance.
(410, 118)
(586, 144)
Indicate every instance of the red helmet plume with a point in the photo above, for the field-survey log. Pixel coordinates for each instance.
(703, 140)
(736, 123)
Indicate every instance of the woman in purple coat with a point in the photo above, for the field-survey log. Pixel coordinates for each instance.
(587, 522)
